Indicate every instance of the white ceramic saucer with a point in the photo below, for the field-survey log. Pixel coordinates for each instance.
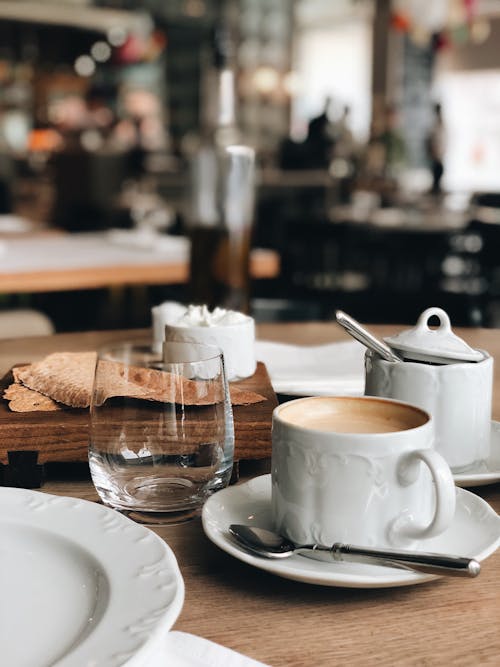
(487, 472)
(475, 533)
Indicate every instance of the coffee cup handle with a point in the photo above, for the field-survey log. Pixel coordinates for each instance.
(408, 471)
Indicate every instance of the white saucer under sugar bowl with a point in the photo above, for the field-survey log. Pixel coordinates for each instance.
(442, 374)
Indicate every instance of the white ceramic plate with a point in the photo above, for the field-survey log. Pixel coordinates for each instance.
(487, 472)
(81, 584)
(475, 533)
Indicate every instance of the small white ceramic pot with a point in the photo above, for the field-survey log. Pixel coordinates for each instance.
(236, 341)
(457, 395)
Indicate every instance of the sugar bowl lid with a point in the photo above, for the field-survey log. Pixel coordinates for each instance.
(438, 345)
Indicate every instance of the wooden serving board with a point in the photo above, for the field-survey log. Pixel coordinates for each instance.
(62, 436)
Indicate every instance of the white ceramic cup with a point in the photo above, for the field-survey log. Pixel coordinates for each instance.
(236, 341)
(457, 395)
(358, 470)
(232, 332)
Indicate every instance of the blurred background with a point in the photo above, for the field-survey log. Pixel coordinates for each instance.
(376, 129)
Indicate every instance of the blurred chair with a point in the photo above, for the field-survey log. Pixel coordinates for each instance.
(314, 274)
(87, 185)
(24, 322)
(487, 199)
(376, 274)
(487, 251)
(487, 259)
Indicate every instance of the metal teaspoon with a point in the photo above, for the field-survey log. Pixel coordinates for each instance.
(267, 544)
(357, 331)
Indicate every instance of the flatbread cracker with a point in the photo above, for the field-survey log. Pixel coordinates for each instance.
(67, 377)
(155, 385)
(244, 397)
(16, 370)
(22, 399)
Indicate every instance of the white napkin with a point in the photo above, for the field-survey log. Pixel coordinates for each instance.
(335, 368)
(182, 649)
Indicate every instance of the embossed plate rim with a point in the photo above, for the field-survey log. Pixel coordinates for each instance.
(146, 589)
(476, 524)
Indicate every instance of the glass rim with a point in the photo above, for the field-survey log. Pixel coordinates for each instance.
(143, 345)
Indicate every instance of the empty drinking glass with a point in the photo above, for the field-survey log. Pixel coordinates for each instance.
(161, 429)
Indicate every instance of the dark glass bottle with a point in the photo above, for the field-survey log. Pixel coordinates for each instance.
(221, 195)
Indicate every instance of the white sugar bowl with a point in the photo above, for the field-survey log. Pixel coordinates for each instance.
(446, 377)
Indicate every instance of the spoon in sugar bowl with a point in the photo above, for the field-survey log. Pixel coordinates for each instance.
(433, 346)
(357, 331)
(267, 544)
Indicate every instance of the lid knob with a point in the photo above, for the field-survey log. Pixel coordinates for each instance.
(442, 315)
(439, 345)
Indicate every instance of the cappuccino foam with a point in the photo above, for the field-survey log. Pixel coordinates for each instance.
(352, 415)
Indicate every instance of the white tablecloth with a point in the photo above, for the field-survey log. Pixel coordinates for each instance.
(87, 250)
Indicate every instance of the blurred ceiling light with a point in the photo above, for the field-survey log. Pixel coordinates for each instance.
(339, 168)
(291, 83)
(194, 8)
(91, 140)
(480, 31)
(100, 51)
(84, 66)
(117, 36)
(265, 80)
(16, 127)
(69, 111)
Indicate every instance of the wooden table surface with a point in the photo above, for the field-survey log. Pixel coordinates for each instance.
(133, 267)
(286, 623)
(263, 264)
